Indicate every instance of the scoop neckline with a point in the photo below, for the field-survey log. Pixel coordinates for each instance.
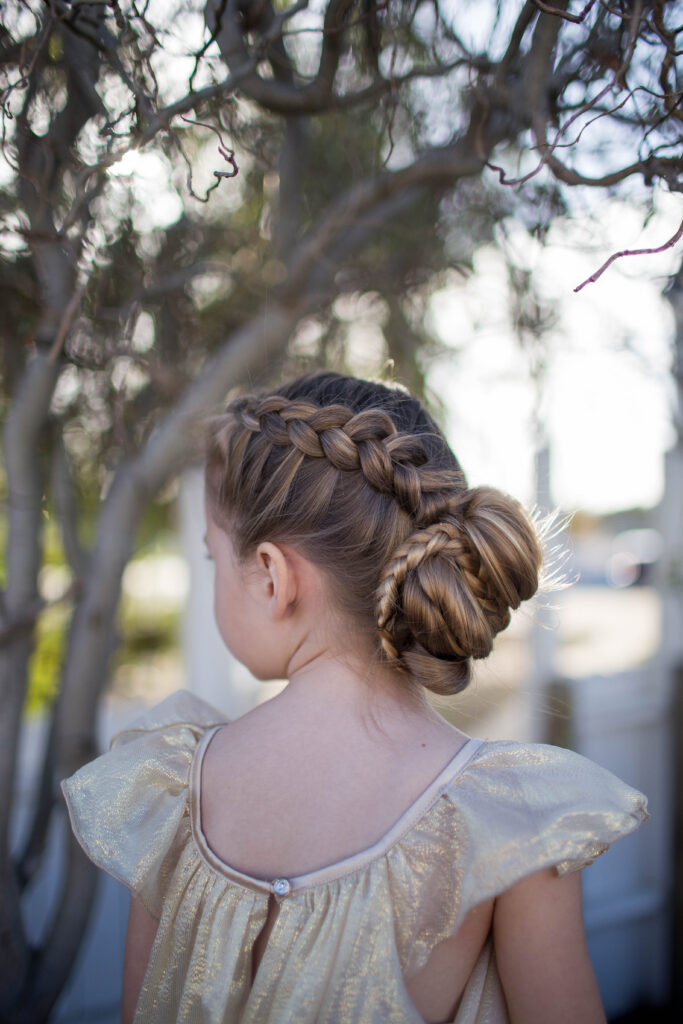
(285, 886)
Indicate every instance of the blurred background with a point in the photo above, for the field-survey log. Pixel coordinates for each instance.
(196, 199)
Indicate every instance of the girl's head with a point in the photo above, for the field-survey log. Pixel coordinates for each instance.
(357, 478)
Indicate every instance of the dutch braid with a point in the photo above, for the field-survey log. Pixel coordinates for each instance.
(367, 441)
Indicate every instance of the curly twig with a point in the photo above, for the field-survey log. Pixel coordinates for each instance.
(227, 154)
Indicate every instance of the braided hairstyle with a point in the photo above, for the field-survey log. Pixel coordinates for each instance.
(357, 476)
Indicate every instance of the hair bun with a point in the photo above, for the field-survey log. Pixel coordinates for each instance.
(448, 589)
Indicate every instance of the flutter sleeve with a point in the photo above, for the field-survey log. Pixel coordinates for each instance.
(516, 809)
(525, 807)
(129, 808)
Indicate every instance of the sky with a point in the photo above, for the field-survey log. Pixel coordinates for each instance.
(606, 395)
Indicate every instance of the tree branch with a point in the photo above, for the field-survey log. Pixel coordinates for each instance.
(538, 64)
(66, 507)
(438, 167)
(30, 859)
(565, 15)
(650, 167)
(526, 16)
(54, 962)
(276, 95)
(631, 252)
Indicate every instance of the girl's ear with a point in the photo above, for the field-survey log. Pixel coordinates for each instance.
(278, 577)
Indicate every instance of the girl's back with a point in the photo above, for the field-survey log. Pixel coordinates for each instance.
(293, 788)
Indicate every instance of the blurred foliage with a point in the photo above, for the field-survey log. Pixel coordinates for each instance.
(145, 628)
(46, 660)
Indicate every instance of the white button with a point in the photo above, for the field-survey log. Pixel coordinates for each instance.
(281, 887)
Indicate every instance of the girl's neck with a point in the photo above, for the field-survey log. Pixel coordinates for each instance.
(338, 686)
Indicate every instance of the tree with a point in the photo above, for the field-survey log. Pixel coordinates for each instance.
(359, 147)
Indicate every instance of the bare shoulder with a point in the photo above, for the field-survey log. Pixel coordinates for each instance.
(541, 952)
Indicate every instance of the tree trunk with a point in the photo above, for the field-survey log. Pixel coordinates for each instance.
(23, 555)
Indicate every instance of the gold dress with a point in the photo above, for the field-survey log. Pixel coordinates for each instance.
(348, 935)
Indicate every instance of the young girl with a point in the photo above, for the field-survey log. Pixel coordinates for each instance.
(341, 854)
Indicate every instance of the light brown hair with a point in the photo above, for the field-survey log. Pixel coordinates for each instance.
(357, 476)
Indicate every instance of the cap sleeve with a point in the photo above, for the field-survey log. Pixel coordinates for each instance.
(129, 808)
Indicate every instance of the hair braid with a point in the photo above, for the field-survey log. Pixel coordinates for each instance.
(367, 441)
(447, 590)
(419, 546)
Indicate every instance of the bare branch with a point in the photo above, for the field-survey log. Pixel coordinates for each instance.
(54, 961)
(668, 38)
(565, 15)
(620, 75)
(65, 324)
(647, 166)
(275, 94)
(436, 168)
(26, 618)
(650, 167)
(537, 65)
(162, 122)
(525, 18)
(29, 861)
(631, 252)
(22, 428)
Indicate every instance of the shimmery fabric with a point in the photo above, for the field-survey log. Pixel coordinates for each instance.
(347, 936)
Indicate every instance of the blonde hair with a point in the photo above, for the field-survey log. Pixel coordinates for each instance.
(357, 476)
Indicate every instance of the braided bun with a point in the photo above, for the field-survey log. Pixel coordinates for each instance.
(448, 589)
(359, 478)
